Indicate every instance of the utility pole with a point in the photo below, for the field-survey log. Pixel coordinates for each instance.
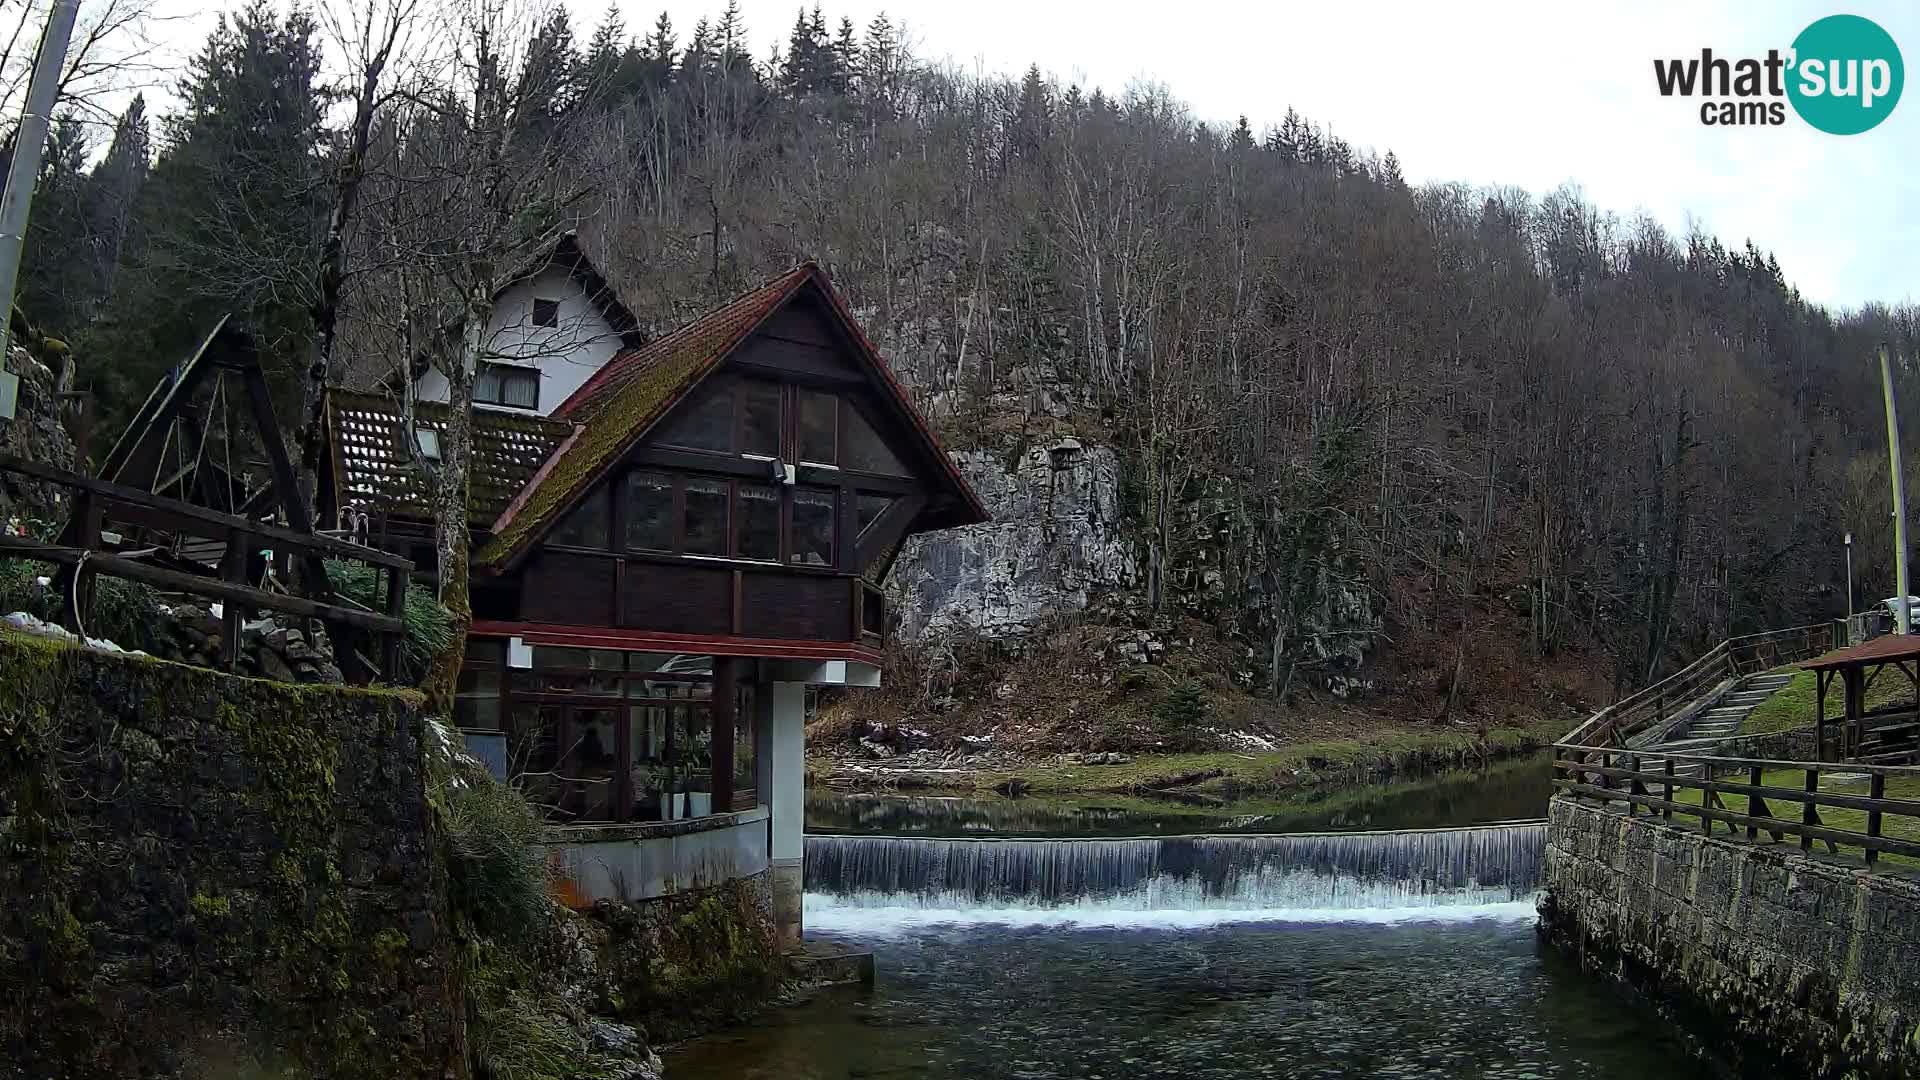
(29, 143)
(1901, 614)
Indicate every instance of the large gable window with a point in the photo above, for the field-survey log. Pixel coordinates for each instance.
(819, 428)
(814, 513)
(508, 385)
(762, 410)
(703, 424)
(706, 517)
(758, 523)
(586, 524)
(649, 511)
(866, 450)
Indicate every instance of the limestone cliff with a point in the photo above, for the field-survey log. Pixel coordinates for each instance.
(1057, 542)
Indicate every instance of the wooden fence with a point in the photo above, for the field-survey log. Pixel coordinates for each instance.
(1673, 697)
(95, 502)
(1656, 783)
(1751, 797)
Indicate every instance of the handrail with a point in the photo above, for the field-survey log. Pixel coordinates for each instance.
(1611, 775)
(1628, 716)
(1590, 764)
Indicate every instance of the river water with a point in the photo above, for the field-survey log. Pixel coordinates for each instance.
(1382, 953)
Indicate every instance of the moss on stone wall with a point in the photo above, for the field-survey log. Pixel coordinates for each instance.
(208, 872)
(691, 962)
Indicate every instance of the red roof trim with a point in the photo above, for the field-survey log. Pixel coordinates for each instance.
(539, 474)
(613, 637)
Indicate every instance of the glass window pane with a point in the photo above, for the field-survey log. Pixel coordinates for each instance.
(706, 423)
(759, 522)
(550, 656)
(586, 524)
(818, 429)
(865, 450)
(521, 389)
(659, 661)
(587, 765)
(868, 509)
(707, 517)
(532, 752)
(760, 416)
(649, 511)
(813, 526)
(486, 384)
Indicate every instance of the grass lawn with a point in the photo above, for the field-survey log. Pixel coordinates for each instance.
(1792, 706)
(1290, 767)
(1833, 817)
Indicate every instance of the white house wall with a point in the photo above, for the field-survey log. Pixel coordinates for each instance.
(566, 354)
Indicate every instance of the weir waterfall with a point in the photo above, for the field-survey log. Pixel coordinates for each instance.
(1260, 876)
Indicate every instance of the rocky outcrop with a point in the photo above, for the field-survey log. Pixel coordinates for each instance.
(1055, 545)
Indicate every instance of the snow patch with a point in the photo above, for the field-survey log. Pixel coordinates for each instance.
(27, 623)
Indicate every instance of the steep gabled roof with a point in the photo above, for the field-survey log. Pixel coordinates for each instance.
(637, 387)
(373, 468)
(569, 252)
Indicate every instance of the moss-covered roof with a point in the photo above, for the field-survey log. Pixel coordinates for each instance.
(373, 469)
(615, 407)
(624, 398)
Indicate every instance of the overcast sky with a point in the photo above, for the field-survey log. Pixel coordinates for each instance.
(1528, 94)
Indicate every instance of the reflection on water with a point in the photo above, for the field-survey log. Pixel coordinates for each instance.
(1504, 792)
(1393, 954)
(1413, 999)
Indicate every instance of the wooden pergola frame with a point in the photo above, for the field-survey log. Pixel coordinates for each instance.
(1864, 733)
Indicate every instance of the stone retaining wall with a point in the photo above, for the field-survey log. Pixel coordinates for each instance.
(1809, 967)
(206, 875)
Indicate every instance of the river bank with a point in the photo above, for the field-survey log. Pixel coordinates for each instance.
(1208, 777)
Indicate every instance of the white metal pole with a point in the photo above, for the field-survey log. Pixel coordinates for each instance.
(1849, 543)
(1899, 496)
(29, 144)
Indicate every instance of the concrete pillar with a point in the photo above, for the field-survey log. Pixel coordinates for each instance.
(783, 728)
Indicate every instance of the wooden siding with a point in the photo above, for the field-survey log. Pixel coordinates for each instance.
(684, 598)
(568, 588)
(808, 608)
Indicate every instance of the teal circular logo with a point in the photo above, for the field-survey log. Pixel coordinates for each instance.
(1846, 75)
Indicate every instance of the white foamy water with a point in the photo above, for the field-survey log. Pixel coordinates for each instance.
(871, 916)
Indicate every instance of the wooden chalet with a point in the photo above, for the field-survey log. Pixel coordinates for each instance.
(664, 556)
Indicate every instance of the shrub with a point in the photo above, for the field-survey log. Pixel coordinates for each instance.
(429, 626)
(123, 612)
(1184, 708)
(498, 874)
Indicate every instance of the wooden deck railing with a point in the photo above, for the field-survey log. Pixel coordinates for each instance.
(1674, 695)
(1751, 797)
(96, 502)
(1747, 796)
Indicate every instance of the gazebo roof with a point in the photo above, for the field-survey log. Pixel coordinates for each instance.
(1886, 649)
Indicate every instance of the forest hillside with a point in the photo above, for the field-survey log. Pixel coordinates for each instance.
(1285, 443)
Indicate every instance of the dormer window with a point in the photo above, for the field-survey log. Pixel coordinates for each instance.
(507, 385)
(546, 312)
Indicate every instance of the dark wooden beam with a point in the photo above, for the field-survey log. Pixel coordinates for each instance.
(141, 507)
(889, 528)
(160, 577)
(725, 681)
